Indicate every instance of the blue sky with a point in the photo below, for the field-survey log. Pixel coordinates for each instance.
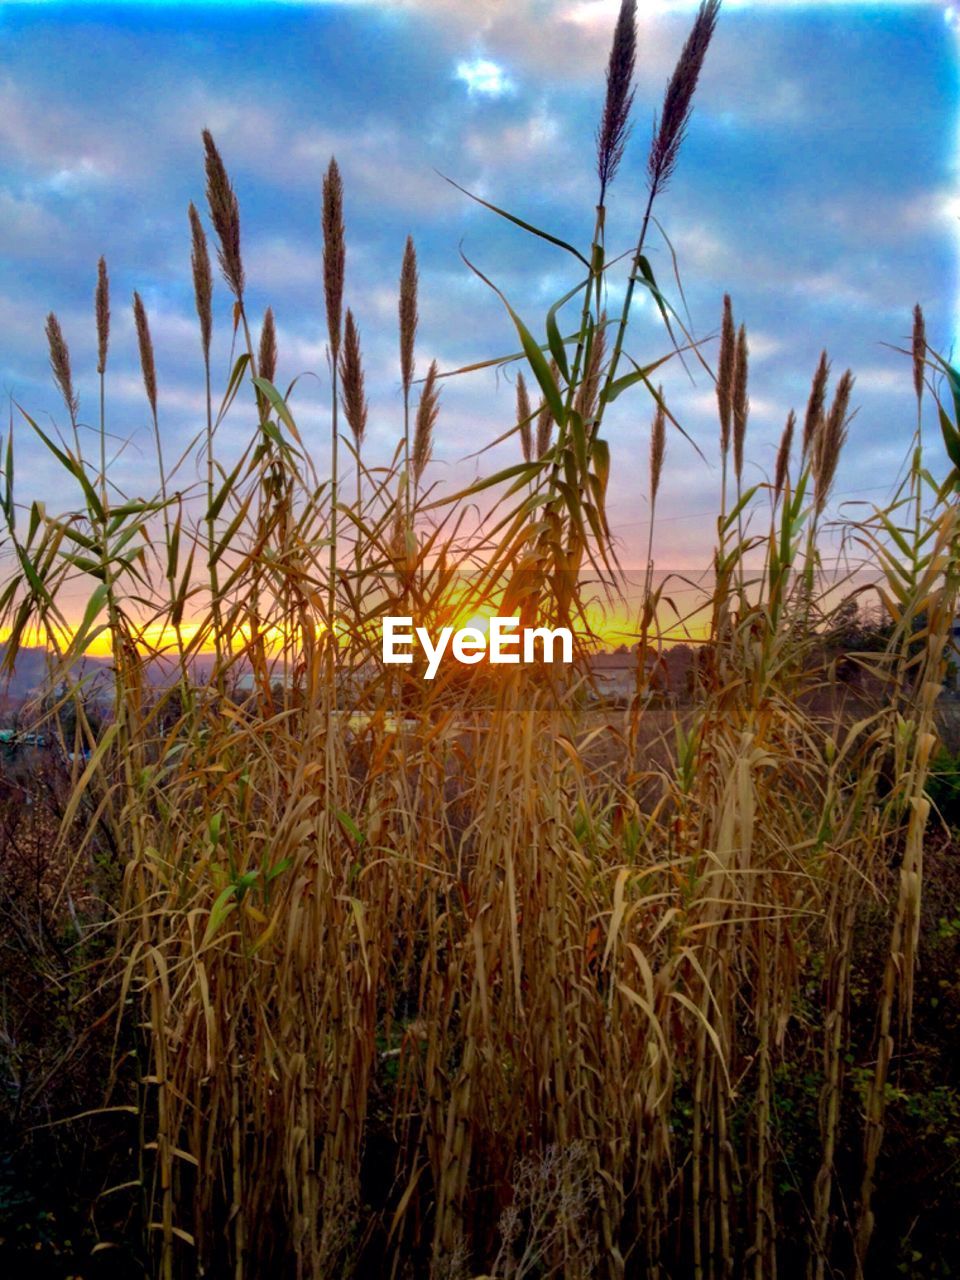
(818, 185)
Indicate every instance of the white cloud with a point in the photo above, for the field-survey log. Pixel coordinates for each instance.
(484, 77)
(514, 143)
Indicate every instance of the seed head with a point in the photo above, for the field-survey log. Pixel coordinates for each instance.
(783, 454)
(101, 301)
(202, 279)
(267, 359)
(615, 122)
(225, 214)
(830, 440)
(427, 413)
(60, 365)
(813, 419)
(145, 343)
(728, 348)
(334, 254)
(409, 319)
(678, 99)
(919, 350)
(352, 395)
(658, 447)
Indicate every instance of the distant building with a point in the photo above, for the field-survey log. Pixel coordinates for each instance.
(615, 675)
(669, 674)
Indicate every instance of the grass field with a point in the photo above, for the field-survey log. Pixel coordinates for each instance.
(311, 980)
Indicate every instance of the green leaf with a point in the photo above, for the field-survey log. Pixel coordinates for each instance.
(578, 435)
(526, 226)
(600, 452)
(279, 406)
(224, 904)
(650, 281)
(951, 437)
(216, 506)
(8, 482)
(351, 828)
(233, 386)
(82, 637)
(534, 354)
(508, 473)
(555, 342)
(631, 379)
(73, 465)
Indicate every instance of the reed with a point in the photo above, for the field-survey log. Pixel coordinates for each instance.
(474, 977)
(334, 265)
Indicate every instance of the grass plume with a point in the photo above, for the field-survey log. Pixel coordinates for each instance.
(782, 468)
(225, 215)
(353, 396)
(102, 312)
(334, 255)
(202, 279)
(267, 354)
(614, 129)
(428, 412)
(60, 366)
(813, 418)
(677, 107)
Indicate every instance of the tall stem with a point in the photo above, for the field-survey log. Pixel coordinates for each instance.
(625, 313)
(334, 498)
(211, 562)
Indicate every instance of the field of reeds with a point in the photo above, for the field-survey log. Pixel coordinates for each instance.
(316, 969)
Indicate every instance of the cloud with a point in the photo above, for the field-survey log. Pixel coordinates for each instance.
(804, 189)
(28, 229)
(481, 76)
(516, 142)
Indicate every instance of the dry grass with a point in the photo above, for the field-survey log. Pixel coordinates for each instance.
(464, 993)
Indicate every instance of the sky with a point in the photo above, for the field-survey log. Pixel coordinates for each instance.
(818, 185)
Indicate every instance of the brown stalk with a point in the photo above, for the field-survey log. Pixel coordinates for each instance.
(203, 300)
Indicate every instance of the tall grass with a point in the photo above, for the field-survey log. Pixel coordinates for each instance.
(445, 979)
